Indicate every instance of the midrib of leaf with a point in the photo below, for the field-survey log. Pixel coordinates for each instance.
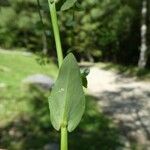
(65, 115)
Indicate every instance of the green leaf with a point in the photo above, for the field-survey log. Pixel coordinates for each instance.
(84, 81)
(67, 100)
(68, 4)
(84, 73)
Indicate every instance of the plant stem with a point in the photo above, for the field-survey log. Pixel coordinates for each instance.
(53, 14)
(64, 138)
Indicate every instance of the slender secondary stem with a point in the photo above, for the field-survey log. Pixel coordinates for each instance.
(44, 31)
(64, 138)
(53, 14)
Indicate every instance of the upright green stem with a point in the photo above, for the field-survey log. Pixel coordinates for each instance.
(53, 14)
(64, 138)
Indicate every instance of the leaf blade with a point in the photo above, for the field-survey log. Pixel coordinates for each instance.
(68, 4)
(67, 100)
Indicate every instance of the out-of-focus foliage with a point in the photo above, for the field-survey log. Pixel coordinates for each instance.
(20, 25)
(106, 30)
(110, 29)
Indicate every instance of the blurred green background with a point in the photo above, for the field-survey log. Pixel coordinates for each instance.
(101, 30)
